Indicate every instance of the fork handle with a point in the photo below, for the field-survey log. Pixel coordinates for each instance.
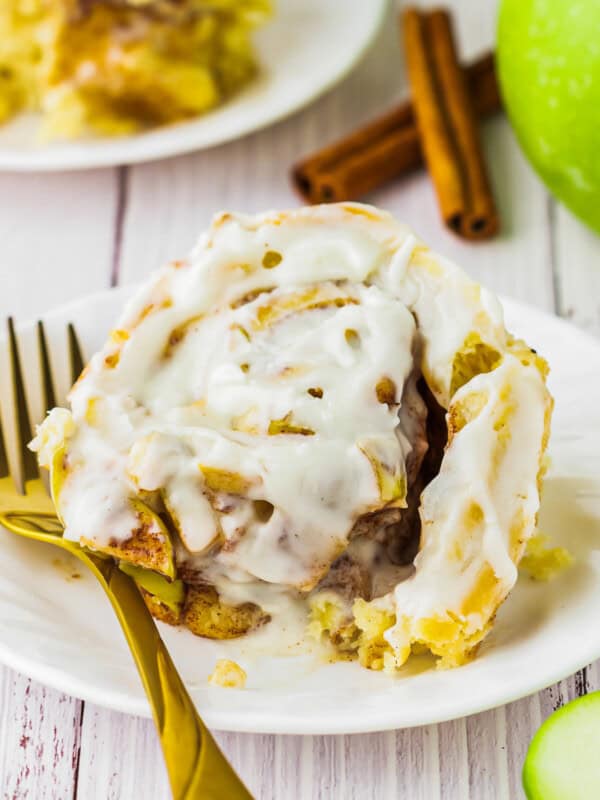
(195, 765)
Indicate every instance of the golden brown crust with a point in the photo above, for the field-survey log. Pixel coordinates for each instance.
(159, 610)
(205, 615)
(149, 546)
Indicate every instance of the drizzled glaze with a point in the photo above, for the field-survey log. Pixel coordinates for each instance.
(258, 386)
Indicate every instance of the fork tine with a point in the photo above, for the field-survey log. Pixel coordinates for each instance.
(75, 354)
(4, 472)
(27, 461)
(48, 393)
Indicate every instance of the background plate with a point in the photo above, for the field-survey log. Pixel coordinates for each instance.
(60, 629)
(306, 48)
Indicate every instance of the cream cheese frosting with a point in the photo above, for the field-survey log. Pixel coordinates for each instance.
(258, 392)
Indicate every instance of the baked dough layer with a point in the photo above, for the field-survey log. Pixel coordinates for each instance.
(292, 413)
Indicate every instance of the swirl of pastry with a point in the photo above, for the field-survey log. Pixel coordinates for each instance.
(306, 405)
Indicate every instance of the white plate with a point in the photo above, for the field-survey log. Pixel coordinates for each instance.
(306, 48)
(61, 630)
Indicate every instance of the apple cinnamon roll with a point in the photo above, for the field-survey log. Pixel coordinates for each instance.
(315, 406)
(118, 66)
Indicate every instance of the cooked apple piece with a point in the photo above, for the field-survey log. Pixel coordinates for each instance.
(223, 480)
(390, 477)
(149, 545)
(386, 391)
(196, 523)
(179, 333)
(474, 357)
(159, 610)
(228, 674)
(374, 652)
(170, 594)
(205, 615)
(58, 474)
(271, 259)
(287, 425)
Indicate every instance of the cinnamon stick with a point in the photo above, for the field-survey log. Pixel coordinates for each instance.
(446, 121)
(384, 149)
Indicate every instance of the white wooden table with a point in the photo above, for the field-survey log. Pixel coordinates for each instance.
(65, 235)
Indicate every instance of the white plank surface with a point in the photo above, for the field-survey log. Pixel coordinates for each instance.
(39, 740)
(56, 234)
(119, 757)
(65, 235)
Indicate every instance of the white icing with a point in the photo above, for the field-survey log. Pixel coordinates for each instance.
(498, 478)
(168, 419)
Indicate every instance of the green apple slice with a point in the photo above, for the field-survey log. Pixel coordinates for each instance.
(563, 760)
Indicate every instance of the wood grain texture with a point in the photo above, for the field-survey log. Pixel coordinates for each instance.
(577, 271)
(39, 740)
(120, 757)
(65, 235)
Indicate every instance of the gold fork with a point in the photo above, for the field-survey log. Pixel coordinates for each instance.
(195, 765)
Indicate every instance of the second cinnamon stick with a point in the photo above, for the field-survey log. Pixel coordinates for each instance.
(384, 149)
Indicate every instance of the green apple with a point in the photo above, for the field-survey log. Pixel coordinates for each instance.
(549, 69)
(563, 760)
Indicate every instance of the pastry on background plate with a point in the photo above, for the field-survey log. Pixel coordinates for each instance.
(313, 409)
(118, 66)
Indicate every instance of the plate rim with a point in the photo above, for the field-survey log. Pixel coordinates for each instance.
(127, 150)
(285, 722)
